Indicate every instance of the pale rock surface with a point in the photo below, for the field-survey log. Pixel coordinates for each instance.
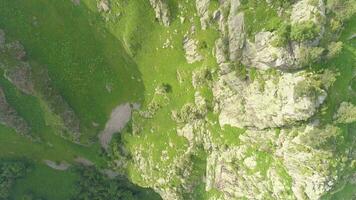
(309, 166)
(191, 50)
(236, 31)
(304, 11)
(103, 5)
(263, 55)
(161, 10)
(244, 104)
(203, 12)
(288, 169)
(220, 51)
(236, 171)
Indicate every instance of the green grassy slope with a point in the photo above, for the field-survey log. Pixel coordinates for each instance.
(81, 56)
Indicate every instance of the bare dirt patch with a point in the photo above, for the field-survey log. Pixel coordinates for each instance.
(120, 116)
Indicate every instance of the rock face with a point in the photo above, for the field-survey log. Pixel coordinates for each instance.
(191, 50)
(237, 36)
(263, 55)
(310, 165)
(203, 12)
(161, 11)
(304, 11)
(268, 165)
(268, 101)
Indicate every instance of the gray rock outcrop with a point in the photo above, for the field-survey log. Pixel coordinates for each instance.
(191, 50)
(161, 10)
(268, 101)
(203, 12)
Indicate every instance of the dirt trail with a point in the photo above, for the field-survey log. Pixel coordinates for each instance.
(120, 116)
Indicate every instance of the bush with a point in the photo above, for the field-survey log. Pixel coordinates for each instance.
(95, 185)
(282, 35)
(335, 25)
(307, 88)
(334, 49)
(343, 9)
(304, 31)
(310, 55)
(9, 172)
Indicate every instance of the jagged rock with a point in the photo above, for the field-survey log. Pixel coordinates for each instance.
(203, 12)
(263, 55)
(220, 51)
(346, 113)
(9, 117)
(311, 167)
(169, 179)
(304, 11)
(236, 31)
(268, 101)
(227, 173)
(161, 11)
(103, 6)
(191, 50)
(299, 164)
(201, 77)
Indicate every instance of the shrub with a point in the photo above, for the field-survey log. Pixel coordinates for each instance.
(343, 9)
(95, 185)
(9, 172)
(335, 25)
(334, 49)
(346, 113)
(282, 35)
(310, 55)
(307, 88)
(304, 31)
